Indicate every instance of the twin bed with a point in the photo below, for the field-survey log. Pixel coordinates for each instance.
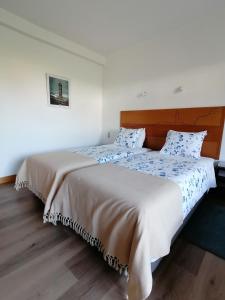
(128, 201)
(44, 173)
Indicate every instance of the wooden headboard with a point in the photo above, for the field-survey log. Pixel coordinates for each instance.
(158, 121)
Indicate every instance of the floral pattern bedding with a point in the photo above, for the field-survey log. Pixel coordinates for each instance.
(130, 138)
(188, 144)
(107, 153)
(194, 176)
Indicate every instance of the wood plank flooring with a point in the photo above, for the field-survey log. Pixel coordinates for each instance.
(42, 261)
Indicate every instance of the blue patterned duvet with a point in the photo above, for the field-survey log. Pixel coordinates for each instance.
(107, 153)
(194, 176)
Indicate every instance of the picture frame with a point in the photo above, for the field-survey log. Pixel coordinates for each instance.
(58, 91)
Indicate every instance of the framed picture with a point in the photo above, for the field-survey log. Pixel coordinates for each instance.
(58, 91)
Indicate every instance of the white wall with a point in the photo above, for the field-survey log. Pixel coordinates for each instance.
(28, 125)
(190, 57)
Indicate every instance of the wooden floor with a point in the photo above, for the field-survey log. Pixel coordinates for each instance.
(41, 261)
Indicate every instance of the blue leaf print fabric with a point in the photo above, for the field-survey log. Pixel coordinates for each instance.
(107, 153)
(128, 137)
(193, 176)
(187, 144)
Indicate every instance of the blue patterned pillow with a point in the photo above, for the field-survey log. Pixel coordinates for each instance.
(186, 144)
(128, 138)
(141, 139)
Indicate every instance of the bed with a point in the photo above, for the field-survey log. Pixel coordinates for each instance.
(43, 173)
(131, 209)
(124, 197)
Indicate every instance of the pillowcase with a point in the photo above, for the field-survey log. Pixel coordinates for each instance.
(186, 144)
(130, 138)
(141, 138)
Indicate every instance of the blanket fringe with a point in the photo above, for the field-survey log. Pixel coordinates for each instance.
(21, 184)
(112, 261)
(26, 185)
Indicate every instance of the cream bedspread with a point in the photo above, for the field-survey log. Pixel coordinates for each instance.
(44, 173)
(130, 216)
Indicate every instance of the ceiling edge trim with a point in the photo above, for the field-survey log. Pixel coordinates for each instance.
(30, 30)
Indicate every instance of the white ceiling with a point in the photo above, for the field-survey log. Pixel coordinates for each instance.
(109, 25)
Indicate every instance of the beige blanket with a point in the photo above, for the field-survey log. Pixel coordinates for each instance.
(44, 173)
(130, 216)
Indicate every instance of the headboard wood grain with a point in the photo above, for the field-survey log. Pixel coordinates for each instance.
(157, 122)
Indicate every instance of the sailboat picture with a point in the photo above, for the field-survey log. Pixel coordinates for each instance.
(58, 90)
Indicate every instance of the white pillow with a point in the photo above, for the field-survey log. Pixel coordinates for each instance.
(141, 138)
(130, 138)
(187, 144)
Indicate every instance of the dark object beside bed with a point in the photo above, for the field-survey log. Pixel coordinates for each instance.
(206, 228)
